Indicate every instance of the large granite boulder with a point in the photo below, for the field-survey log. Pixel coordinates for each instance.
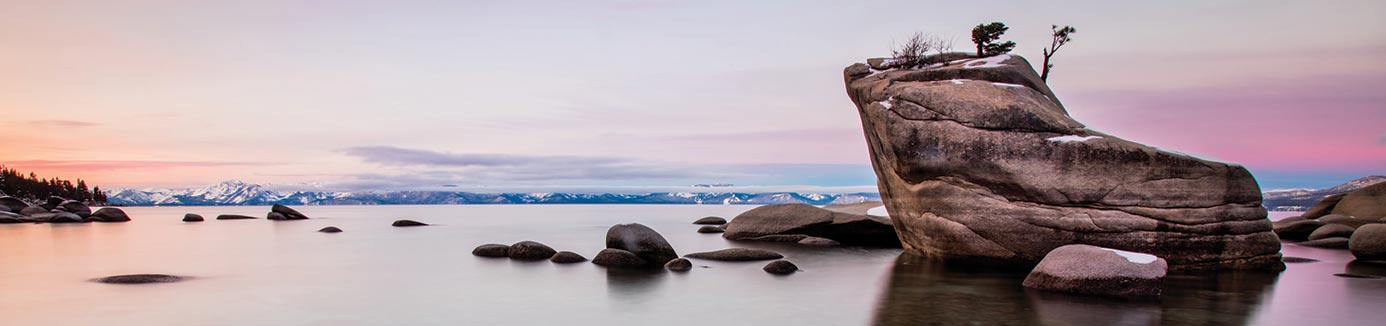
(794, 222)
(1085, 269)
(109, 214)
(12, 204)
(284, 213)
(1368, 202)
(978, 160)
(642, 241)
(76, 207)
(1323, 207)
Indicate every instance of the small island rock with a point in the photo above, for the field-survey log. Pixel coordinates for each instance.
(76, 207)
(139, 279)
(710, 229)
(110, 214)
(233, 217)
(642, 241)
(284, 213)
(679, 265)
(330, 229)
(190, 217)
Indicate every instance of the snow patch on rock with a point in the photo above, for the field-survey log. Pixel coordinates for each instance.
(878, 211)
(1134, 257)
(988, 62)
(1071, 138)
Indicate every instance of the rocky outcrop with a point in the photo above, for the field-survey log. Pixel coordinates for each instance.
(978, 160)
(284, 213)
(793, 222)
(1368, 202)
(737, 254)
(12, 204)
(1095, 270)
(642, 241)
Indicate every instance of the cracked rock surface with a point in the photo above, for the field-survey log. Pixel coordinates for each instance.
(981, 161)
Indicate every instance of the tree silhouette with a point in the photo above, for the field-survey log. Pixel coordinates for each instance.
(985, 36)
(14, 183)
(1060, 38)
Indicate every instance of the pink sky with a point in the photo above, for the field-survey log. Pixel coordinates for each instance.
(177, 93)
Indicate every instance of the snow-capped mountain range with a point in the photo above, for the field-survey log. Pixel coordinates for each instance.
(234, 193)
(1302, 199)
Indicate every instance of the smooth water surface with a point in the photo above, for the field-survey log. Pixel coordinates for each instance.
(258, 272)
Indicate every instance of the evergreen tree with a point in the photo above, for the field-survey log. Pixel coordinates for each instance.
(1060, 38)
(16, 184)
(985, 36)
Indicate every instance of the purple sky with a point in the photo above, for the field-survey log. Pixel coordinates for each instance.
(630, 94)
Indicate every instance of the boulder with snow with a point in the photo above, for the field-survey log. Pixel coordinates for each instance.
(1086, 269)
(978, 160)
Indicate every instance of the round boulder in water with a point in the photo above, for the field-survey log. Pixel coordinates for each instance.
(404, 223)
(530, 250)
(494, 250)
(330, 229)
(567, 257)
(1085, 269)
(642, 241)
(611, 257)
(710, 229)
(679, 265)
(190, 217)
(110, 214)
(780, 267)
(1369, 242)
(711, 220)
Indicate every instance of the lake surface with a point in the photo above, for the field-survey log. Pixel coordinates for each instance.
(258, 272)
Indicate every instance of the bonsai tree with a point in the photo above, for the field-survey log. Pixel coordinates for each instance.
(916, 50)
(985, 36)
(1060, 38)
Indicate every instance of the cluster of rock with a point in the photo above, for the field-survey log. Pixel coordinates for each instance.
(634, 246)
(810, 225)
(1355, 221)
(978, 160)
(56, 210)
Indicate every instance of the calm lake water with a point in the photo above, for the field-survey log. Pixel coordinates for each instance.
(258, 272)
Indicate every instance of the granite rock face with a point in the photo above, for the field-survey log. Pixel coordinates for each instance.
(978, 160)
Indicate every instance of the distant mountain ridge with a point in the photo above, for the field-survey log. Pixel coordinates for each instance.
(237, 193)
(1301, 199)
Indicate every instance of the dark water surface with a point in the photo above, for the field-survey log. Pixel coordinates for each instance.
(258, 272)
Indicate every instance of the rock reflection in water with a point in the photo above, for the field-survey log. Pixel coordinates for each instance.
(924, 292)
(633, 286)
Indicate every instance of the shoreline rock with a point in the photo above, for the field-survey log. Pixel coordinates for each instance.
(794, 222)
(1085, 269)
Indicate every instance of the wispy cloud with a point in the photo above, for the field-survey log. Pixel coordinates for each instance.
(106, 165)
(491, 167)
(63, 123)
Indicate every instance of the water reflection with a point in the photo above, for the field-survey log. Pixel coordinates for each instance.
(923, 292)
(633, 286)
(1370, 268)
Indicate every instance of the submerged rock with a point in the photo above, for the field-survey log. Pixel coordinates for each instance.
(737, 254)
(1369, 242)
(679, 265)
(1289, 259)
(980, 161)
(139, 279)
(403, 223)
(110, 214)
(567, 257)
(494, 250)
(642, 241)
(611, 257)
(230, 217)
(330, 229)
(284, 213)
(710, 229)
(780, 267)
(530, 250)
(711, 220)
(1085, 269)
(803, 220)
(190, 217)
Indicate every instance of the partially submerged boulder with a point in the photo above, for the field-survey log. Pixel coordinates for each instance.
(978, 160)
(190, 217)
(1331, 231)
(284, 213)
(110, 214)
(530, 250)
(330, 229)
(1086, 269)
(611, 257)
(407, 223)
(803, 220)
(711, 220)
(1296, 230)
(710, 229)
(642, 241)
(780, 267)
(737, 254)
(493, 250)
(679, 265)
(139, 279)
(1327, 243)
(229, 217)
(567, 257)
(1369, 242)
